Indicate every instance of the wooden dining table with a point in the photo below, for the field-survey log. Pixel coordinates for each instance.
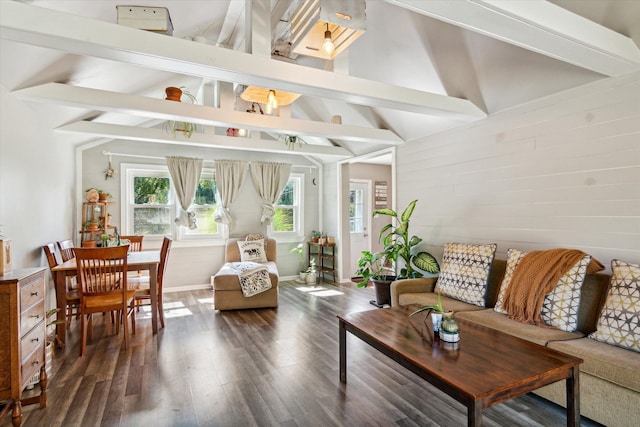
(136, 261)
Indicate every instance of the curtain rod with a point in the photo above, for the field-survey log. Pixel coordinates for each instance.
(141, 156)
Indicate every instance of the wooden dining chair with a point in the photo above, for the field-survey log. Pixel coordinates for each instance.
(143, 291)
(135, 242)
(72, 294)
(102, 281)
(66, 249)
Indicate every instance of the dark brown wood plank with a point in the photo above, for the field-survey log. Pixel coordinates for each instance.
(269, 367)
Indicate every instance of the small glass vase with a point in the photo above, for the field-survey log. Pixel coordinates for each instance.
(449, 328)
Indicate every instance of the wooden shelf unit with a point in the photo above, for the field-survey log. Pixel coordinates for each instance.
(95, 211)
(325, 256)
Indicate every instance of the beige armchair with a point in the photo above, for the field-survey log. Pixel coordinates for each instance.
(227, 294)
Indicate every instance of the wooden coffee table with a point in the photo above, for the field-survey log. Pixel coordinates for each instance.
(486, 368)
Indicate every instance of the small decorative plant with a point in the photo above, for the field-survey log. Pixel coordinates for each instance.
(53, 339)
(291, 141)
(299, 250)
(431, 308)
(174, 126)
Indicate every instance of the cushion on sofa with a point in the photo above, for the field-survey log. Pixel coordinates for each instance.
(252, 250)
(561, 305)
(604, 361)
(226, 279)
(465, 272)
(492, 319)
(619, 323)
(426, 299)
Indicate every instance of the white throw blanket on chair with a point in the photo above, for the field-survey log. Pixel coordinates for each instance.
(254, 277)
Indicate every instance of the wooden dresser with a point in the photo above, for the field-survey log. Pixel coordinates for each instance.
(22, 338)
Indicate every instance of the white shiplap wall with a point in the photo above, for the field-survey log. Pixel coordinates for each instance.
(563, 171)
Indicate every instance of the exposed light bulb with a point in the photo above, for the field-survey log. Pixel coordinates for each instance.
(328, 46)
(272, 101)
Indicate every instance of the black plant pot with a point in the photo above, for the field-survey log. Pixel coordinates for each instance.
(383, 290)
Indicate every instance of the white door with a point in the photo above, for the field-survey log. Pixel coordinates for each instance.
(359, 220)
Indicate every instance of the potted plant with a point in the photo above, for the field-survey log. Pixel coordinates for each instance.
(291, 141)
(398, 245)
(441, 318)
(103, 196)
(372, 268)
(312, 273)
(299, 250)
(174, 126)
(315, 236)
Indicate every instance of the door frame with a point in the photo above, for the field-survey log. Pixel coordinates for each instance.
(344, 254)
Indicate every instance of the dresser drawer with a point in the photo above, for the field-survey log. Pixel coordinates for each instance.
(31, 293)
(32, 364)
(31, 317)
(33, 339)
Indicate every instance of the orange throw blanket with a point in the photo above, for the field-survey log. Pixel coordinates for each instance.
(535, 276)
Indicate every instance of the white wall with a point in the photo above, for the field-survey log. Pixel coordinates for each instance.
(560, 172)
(37, 172)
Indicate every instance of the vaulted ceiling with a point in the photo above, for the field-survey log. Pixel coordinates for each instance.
(421, 67)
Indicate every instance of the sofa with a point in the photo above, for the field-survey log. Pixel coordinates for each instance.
(227, 294)
(609, 376)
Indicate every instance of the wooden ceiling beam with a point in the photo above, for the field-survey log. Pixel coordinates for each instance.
(153, 108)
(111, 131)
(89, 37)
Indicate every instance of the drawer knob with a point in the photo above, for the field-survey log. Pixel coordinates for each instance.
(35, 339)
(36, 362)
(37, 316)
(34, 294)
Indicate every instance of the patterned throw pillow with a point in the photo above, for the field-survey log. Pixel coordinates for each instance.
(560, 306)
(257, 237)
(465, 272)
(252, 250)
(619, 323)
(513, 258)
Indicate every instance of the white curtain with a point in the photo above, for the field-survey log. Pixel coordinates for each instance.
(269, 180)
(229, 179)
(185, 174)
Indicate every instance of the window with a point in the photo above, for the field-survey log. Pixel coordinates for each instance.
(152, 206)
(288, 212)
(356, 209)
(204, 206)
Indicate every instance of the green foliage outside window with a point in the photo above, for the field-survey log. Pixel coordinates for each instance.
(147, 189)
(283, 217)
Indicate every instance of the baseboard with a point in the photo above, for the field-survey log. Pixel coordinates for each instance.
(167, 290)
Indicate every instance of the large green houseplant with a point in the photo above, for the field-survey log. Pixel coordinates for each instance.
(398, 245)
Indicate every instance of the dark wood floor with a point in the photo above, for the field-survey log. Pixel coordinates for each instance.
(253, 368)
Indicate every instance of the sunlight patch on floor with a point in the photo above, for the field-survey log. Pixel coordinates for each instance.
(319, 291)
(171, 309)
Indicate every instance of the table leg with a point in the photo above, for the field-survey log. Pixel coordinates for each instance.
(60, 283)
(153, 290)
(342, 338)
(573, 397)
(474, 414)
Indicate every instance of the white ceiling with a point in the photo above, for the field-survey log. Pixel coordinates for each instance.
(407, 77)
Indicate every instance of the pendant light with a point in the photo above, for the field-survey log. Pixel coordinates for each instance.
(328, 46)
(272, 101)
